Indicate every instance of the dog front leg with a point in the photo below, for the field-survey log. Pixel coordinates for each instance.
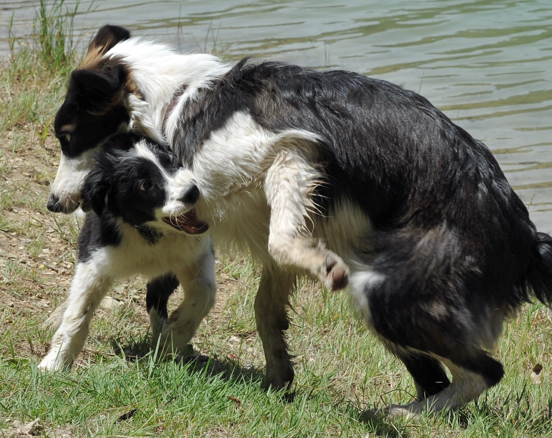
(289, 186)
(271, 317)
(158, 292)
(198, 282)
(87, 291)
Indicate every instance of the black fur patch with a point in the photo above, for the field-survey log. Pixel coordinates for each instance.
(112, 189)
(97, 232)
(158, 293)
(108, 36)
(86, 130)
(90, 113)
(150, 234)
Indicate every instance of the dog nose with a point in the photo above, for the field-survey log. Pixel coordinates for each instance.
(53, 203)
(191, 196)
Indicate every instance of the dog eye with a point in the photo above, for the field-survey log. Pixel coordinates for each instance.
(65, 137)
(145, 185)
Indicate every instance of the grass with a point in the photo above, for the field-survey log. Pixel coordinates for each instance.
(341, 370)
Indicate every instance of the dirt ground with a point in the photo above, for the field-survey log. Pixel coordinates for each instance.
(37, 250)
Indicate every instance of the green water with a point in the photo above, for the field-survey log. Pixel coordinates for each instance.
(486, 64)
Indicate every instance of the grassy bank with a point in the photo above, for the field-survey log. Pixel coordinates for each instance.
(341, 370)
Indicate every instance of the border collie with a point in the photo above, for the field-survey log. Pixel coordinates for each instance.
(142, 222)
(319, 172)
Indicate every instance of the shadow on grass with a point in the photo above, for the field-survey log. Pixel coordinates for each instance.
(377, 424)
(138, 350)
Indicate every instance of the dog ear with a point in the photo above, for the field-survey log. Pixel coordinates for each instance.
(107, 37)
(103, 81)
(98, 84)
(96, 190)
(99, 89)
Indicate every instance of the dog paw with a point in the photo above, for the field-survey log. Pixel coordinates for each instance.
(50, 363)
(405, 411)
(172, 343)
(157, 325)
(336, 273)
(277, 379)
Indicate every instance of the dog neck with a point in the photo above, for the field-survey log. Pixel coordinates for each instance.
(162, 76)
(148, 233)
(176, 96)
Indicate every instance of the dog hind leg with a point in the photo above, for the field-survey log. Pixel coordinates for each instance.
(470, 378)
(271, 316)
(290, 183)
(429, 376)
(425, 331)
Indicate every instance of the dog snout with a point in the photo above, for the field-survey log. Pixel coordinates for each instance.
(191, 196)
(53, 204)
(60, 204)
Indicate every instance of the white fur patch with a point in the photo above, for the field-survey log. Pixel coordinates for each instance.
(361, 284)
(159, 71)
(346, 231)
(87, 290)
(239, 154)
(231, 171)
(71, 173)
(177, 186)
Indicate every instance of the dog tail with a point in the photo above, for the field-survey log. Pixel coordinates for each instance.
(539, 274)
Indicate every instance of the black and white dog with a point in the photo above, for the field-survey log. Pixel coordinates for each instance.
(142, 222)
(322, 172)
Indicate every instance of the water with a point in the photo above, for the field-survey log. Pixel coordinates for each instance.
(487, 64)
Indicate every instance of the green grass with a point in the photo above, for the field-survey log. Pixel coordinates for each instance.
(34, 74)
(341, 369)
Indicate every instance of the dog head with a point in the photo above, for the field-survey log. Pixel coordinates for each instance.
(94, 109)
(143, 184)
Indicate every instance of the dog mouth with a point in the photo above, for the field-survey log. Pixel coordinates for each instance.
(187, 222)
(86, 206)
(64, 203)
